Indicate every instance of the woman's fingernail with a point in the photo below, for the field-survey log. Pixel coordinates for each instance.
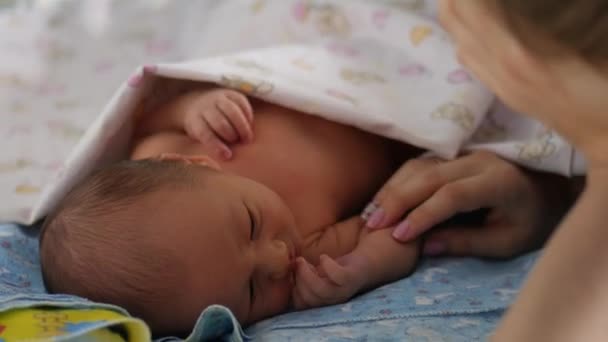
(368, 211)
(433, 248)
(375, 220)
(401, 231)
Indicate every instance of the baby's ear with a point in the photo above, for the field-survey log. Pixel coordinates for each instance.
(200, 159)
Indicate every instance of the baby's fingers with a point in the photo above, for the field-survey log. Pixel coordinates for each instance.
(220, 124)
(243, 102)
(199, 129)
(237, 119)
(318, 287)
(337, 273)
(302, 298)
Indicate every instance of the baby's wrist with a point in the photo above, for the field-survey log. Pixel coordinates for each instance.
(359, 266)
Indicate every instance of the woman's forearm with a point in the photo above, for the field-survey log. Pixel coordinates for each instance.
(566, 295)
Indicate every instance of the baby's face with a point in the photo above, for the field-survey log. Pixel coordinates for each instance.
(238, 241)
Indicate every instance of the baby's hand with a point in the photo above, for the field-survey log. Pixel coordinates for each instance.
(327, 284)
(219, 118)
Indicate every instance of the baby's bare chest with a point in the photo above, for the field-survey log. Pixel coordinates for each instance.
(325, 172)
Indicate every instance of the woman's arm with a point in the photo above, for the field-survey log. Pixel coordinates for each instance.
(523, 206)
(566, 295)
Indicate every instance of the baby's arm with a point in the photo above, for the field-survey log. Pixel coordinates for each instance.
(212, 116)
(377, 259)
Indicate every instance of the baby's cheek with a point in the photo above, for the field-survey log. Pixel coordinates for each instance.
(280, 296)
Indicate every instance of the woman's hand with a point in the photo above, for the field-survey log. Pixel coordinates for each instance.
(523, 207)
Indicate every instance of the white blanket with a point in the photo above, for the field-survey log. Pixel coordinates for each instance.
(391, 72)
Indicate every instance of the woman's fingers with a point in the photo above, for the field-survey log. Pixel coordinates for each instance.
(465, 195)
(312, 289)
(501, 240)
(415, 181)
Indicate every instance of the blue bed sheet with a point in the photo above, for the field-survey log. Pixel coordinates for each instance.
(444, 300)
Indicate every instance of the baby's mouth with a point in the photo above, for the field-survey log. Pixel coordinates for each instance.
(294, 252)
(292, 255)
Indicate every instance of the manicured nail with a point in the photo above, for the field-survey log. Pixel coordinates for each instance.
(375, 220)
(368, 211)
(433, 248)
(401, 231)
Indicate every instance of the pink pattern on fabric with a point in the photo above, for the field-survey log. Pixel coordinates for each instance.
(158, 47)
(459, 76)
(379, 18)
(342, 49)
(413, 70)
(300, 11)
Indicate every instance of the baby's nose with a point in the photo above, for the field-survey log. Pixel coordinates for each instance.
(277, 263)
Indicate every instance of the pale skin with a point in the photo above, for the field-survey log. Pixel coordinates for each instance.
(522, 208)
(565, 297)
(279, 190)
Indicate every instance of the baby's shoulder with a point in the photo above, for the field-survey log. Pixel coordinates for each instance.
(163, 142)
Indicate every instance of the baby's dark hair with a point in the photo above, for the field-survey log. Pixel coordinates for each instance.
(95, 245)
(578, 25)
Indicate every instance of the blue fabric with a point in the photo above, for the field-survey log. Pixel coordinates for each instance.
(445, 299)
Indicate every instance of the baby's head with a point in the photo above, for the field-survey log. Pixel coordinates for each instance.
(165, 239)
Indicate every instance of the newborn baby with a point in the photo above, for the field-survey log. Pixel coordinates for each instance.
(218, 208)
